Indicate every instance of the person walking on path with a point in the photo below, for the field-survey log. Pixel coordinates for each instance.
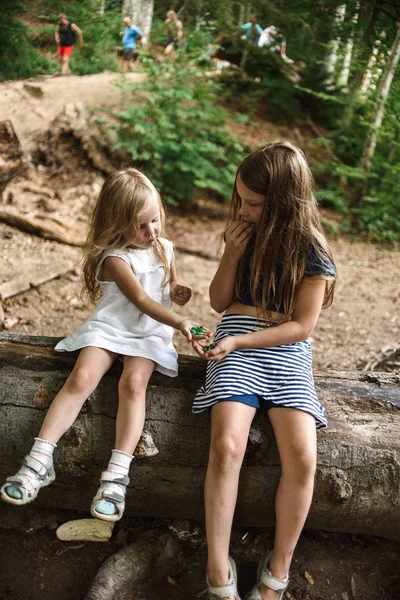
(130, 35)
(274, 277)
(65, 36)
(132, 268)
(174, 33)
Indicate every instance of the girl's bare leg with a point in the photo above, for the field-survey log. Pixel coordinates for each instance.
(296, 438)
(109, 502)
(90, 367)
(230, 426)
(132, 402)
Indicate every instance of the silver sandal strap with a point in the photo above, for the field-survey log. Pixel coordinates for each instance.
(109, 477)
(278, 585)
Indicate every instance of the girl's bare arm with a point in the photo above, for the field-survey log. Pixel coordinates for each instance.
(222, 287)
(117, 270)
(308, 306)
(305, 316)
(180, 294)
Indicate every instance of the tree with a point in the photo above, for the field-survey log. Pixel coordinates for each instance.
(382, 95)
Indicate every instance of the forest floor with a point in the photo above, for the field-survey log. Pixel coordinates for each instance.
(364, 318)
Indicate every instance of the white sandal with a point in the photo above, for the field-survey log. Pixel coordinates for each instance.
(112, 489)
(265, 576)
(29, 485)
(225, 591)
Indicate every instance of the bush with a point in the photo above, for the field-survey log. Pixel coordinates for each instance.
(17, 57)
(177, 133)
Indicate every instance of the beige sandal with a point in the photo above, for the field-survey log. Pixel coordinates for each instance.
(264, 576)
(225, 591)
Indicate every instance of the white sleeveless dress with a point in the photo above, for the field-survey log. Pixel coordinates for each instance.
(119, 326)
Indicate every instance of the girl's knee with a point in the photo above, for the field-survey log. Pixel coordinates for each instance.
(301, 464)
(81, 381)
(133, 385)
(226, 451)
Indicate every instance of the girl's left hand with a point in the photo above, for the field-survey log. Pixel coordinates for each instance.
(181, 294)
(222, 348)
(187, 324)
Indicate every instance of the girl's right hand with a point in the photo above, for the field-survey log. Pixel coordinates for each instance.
(186, 325)
(237, 237)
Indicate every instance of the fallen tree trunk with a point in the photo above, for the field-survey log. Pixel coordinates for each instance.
(45, 226)
(358, 476)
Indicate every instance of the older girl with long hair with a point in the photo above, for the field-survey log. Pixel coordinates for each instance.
(275, 275)
(131, 268)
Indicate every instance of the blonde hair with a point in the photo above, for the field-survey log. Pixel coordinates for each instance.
(115, 222)
(278, 253)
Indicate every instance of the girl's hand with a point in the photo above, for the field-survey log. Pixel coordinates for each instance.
(222, 348)
(237, 237)
(187, 324)
(181, 294)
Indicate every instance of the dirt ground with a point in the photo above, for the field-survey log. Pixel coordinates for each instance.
(363, 319)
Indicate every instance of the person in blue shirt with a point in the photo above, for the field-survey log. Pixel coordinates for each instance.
(130, 34)
(251, 30)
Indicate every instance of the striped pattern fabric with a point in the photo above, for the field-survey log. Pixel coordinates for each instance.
(280, 374)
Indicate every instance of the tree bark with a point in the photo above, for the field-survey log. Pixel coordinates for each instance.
(379, 111)
(343, 78)
(358, 475)
(334, 49)
(367, 18)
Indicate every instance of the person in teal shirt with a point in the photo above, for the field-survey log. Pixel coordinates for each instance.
(130, 34)
(252, 30)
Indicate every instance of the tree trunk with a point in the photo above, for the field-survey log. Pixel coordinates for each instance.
(343, 78)
(358, 475)
(334, 49)
(379, 111)
(369, 17)
(99, 6)
(367, 77)
(141, 13)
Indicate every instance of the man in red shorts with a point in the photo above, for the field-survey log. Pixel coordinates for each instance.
(65, 35)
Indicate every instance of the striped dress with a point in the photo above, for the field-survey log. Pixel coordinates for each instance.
(277, 376)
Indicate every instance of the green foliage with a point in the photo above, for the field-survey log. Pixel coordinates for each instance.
(23, 48)
(176, 132)
(100, 34)
(17, 57)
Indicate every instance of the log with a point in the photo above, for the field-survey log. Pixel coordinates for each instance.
(358, 475)
(43, 225)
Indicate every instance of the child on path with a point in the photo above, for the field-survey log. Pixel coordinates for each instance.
(274, 277)
(134, 268)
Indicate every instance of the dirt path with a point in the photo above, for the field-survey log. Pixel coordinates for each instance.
(30, 115)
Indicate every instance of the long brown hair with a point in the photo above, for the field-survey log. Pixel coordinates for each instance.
(277, 255)
(115, 221)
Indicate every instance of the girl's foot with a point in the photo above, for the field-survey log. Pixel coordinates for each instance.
(36, 471)
(268, 587)
(25, 485)
(228, 591)
(109, 502)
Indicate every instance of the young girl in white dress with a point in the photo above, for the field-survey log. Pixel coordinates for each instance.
(132, 268)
